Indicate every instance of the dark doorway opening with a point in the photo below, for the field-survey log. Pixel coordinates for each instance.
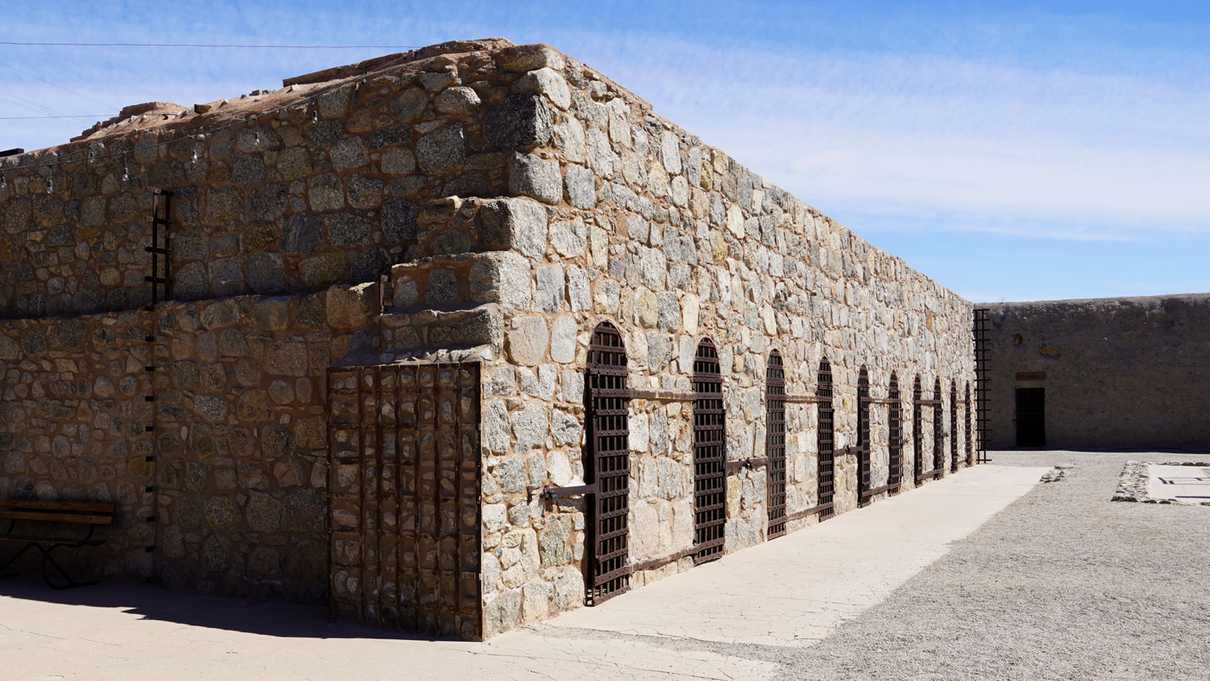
(1031, 417)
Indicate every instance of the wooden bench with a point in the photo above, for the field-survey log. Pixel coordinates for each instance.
(34, 517)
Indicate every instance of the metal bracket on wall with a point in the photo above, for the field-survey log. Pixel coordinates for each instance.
(556, 494)
(734, 467)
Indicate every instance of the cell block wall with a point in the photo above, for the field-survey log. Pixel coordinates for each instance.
(1118, 373)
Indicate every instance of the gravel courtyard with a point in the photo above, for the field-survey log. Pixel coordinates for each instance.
(987, 574)
(1062, 584)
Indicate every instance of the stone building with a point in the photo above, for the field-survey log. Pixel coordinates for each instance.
(1112, 373)
(455, 339)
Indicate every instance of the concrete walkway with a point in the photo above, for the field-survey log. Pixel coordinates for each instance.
(726, 620)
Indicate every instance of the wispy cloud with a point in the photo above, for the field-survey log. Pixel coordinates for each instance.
(1103, 155)
(920, 128)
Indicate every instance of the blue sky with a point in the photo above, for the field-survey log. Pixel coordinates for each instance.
(1012, 151)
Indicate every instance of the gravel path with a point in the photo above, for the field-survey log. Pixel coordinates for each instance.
(1062, 584)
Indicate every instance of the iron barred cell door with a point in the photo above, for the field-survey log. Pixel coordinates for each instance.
(917, 433)
(953, 427)
(775, 443)
(863, 437)
(826, 461)
(894, 436)
(709, 456)
(607, 465)
(403, 496)
(970, 448)
(938, 431)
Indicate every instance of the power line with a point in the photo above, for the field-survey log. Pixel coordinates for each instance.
(16, 43)
(40, 118)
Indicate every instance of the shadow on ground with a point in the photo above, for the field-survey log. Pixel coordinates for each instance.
(151, 602)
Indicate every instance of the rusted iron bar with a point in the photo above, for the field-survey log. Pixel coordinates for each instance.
(807, 512)
(657, 563)
(887, 401)
(737, 466)
(567, 492)
(866, 494)
(660, 395)
(803, 399)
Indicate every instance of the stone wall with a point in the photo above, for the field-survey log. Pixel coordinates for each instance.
(672, 241)
(1119, 373)
(284, 191)
(230, 493)
(516, 199)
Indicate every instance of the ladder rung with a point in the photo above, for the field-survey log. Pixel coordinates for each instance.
(156, 249)
(156, 280)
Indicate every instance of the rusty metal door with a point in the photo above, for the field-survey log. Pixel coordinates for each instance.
(403, 496)
(863, 437)
(938, 431)
(970, 450)
(917, 433)
(826, 460)
(608, 465)
(775, 443)
(894, 436)
(709, 456)
(953, 427)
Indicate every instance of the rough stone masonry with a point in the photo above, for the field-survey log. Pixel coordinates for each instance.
(475, 205)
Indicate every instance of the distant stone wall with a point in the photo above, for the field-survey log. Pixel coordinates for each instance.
(1119, 373)
(241, 461)
(672, 241)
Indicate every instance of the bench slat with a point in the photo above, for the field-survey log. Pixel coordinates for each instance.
(65, 518)
(98, 507)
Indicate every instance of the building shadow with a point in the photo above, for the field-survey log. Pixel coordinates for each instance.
(154, 602)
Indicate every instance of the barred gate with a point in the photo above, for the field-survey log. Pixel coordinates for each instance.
(917, 432)
(403, 496)
(894, 436)
(607, 465)
(826, 460)
(709, 456)
(938, 431)
(863, 437)
(775, 443)
(970, 450)
(953, 427)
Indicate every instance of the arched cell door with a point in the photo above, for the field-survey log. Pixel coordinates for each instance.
(953, 427)
(775, 443)
(917, 433)
(894, 436)
(826, 460)
(938, 431)
(607, 464)
(709, 456)
(863, 436)
(970, 449)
